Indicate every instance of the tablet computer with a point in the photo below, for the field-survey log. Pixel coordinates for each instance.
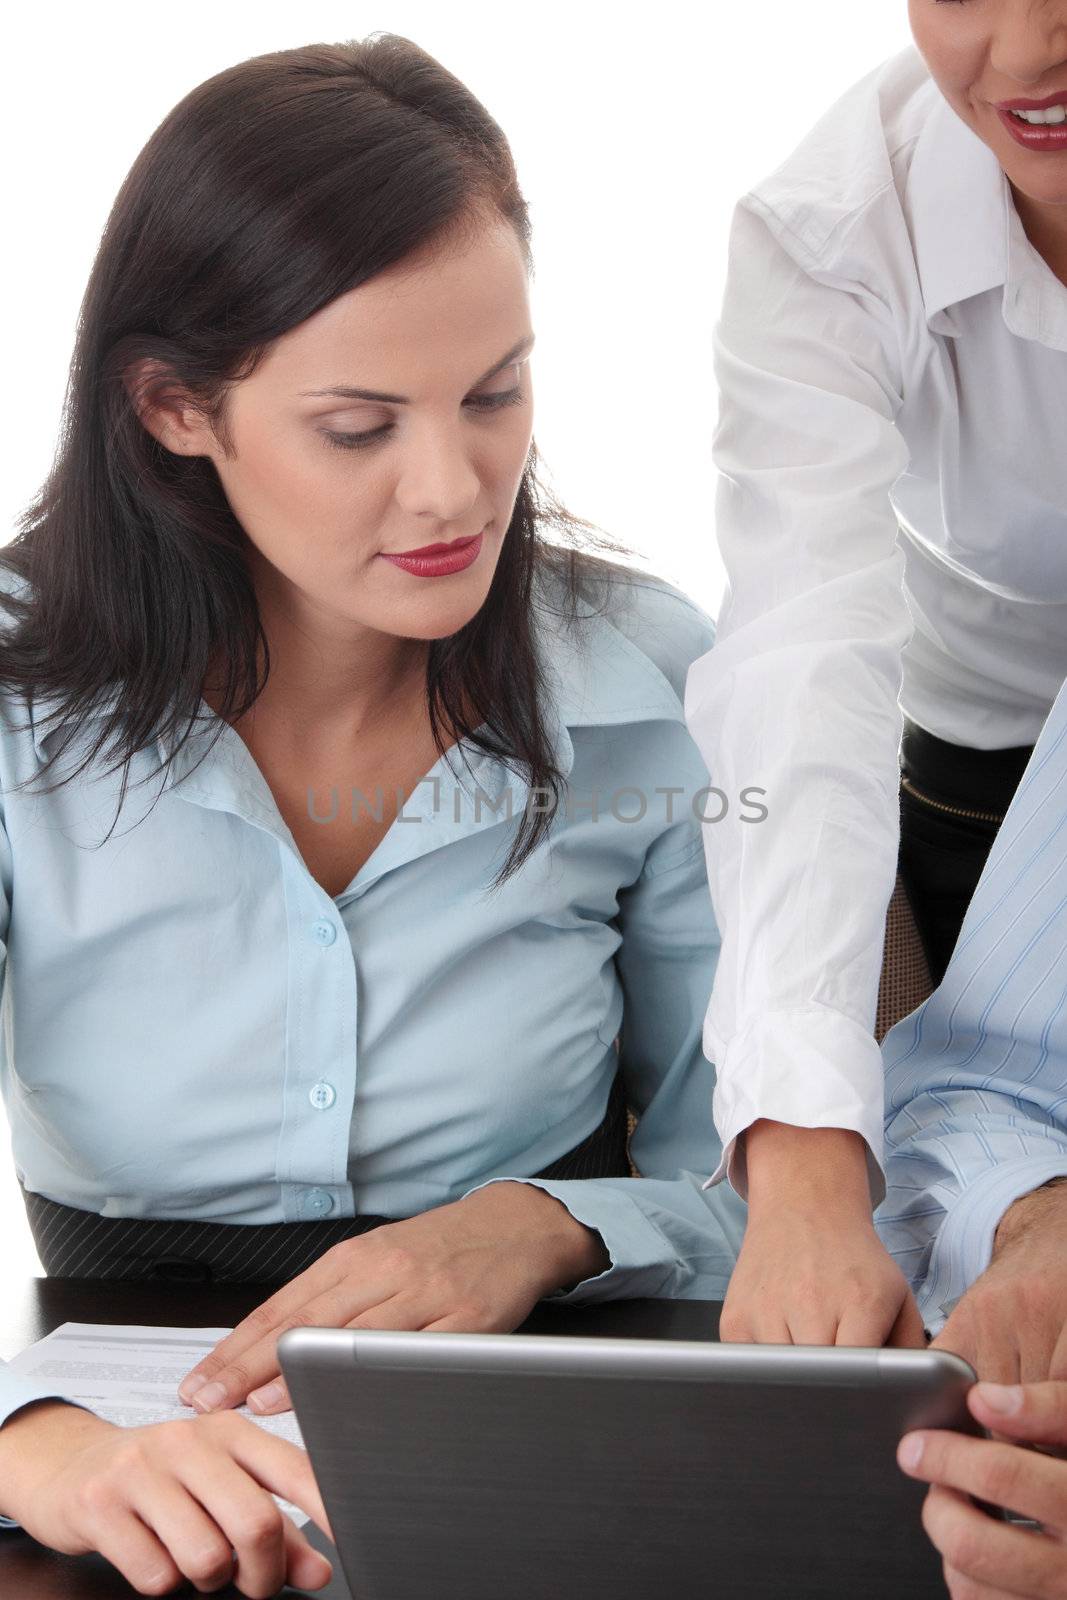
(525, 1467)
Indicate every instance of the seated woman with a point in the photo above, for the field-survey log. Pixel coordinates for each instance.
(418, 902)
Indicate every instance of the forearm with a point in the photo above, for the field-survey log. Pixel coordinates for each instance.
(798, 1167)
(663, 1237)
(808, 1066)
(1041, 1214)
(33, 1435)
(580, 1250)
(23, 1398)
(562, 1250)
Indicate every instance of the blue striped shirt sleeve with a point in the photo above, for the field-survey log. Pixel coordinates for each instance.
(976, 1078)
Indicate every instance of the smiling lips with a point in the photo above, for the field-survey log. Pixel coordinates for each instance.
(438, 560)
(1037, 124)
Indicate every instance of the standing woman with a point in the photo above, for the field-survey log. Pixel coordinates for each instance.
(892, 511)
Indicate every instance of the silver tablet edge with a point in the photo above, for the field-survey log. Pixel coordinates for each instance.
(677, 1359)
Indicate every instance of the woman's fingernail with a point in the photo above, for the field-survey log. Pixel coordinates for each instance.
(190, 1385)
(910, 1450)
(271, 1394)
(211, 1395)
(1004, 1398)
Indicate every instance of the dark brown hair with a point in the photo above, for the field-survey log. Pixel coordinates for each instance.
(269, 190)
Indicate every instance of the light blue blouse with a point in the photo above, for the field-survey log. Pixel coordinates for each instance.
(194, 1028)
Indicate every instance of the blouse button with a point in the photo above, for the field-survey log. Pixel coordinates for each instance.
(318, 1202)
(323, 932)
(322, 1095)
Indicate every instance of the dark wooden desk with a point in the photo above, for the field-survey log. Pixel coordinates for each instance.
(29, 1571)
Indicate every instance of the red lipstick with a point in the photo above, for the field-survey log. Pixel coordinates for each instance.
(1057, 98)
(437, 560)
(1046, 136)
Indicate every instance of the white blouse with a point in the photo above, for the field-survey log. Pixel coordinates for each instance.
(892, 513)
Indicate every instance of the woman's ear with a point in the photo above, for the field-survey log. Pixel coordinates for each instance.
(167, 411)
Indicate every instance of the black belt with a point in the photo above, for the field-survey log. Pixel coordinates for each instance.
(952, 777)
(82, 1244)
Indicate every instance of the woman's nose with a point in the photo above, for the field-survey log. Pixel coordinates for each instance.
(437, 477)
(1031, 40)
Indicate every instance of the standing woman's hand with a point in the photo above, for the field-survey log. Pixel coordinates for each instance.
(812, 1269)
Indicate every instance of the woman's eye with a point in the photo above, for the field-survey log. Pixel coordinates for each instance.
(493, 402)
(371, 436)
(355, 441)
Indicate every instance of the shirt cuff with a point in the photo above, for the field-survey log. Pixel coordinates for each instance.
(639, 1267)
(963, 1246)
(811, 1067)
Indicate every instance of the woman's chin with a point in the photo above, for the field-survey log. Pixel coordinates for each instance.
(429, 618)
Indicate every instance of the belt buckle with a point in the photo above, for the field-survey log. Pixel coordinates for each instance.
(179, 1269)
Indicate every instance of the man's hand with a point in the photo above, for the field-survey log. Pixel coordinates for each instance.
(1011, 1325)
(812, 1269)
(477, 1266)
(982, 1557)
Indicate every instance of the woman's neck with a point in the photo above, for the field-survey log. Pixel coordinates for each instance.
(1046, 228)
(331, 685)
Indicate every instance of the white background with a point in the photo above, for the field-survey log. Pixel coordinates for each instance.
(634, 130)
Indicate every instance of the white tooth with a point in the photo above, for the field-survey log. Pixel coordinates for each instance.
(1041, 118)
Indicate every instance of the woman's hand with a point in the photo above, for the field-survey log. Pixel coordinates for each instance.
(174, 1501)
(812, 1269)
(820, 1277)
(478, 1265)
(984, 1557)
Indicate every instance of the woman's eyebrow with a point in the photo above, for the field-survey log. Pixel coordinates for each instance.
(343, 391)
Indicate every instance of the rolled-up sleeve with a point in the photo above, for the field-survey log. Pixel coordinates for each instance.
(799, 697)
